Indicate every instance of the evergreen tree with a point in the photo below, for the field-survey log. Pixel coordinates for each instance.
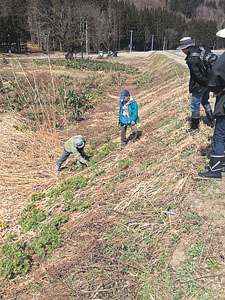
(14, 27)
(60, 24)
(203, 32)
(186, 7)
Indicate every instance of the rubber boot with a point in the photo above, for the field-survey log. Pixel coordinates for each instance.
(135, 138)
(123, 145)
(215, 167)
(222, 169)
(194, 123)
(210, 117)
(130, 137)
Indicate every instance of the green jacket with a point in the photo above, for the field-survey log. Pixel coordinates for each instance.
(69, 147)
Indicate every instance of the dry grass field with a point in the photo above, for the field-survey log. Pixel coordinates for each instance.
(137, 223)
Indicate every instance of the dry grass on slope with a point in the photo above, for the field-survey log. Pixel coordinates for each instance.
(146, 235)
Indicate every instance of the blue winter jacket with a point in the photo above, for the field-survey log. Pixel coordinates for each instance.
(132, 111)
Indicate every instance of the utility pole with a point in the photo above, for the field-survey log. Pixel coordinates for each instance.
(152, 47)
(86, 31)
(131, 37)
(164, 43)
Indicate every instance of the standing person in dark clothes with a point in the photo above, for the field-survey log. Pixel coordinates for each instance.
(216, 84)
(197, 83)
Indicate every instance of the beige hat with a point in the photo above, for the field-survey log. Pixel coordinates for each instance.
(221, 33)
(185, 42)
(78, 142)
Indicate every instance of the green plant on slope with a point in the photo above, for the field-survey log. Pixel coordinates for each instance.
(106, 139)
(186, 271)
(76, 205)
(68, 206)
(104, 151)
(193, 217)
(125, 163)
(68, 196)
(96, 66)
(93, 143)
(197, 250)
(78, 102)
(13, 260)
(31, 218)
(72, 184)
(50, 236)
(37, 196)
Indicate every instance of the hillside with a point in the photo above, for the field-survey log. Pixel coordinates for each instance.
(200, 9)
(137, 223)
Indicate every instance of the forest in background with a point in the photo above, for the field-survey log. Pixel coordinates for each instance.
(67, 25)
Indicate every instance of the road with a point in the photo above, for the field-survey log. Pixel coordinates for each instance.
(178, 56)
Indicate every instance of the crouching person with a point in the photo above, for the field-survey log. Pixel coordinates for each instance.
(75, 145)
(128, 116)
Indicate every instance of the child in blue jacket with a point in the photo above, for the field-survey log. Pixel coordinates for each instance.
(128, 116)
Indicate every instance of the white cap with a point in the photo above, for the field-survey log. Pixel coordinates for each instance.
(221, 33)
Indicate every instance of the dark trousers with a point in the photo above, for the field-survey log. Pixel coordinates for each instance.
(124, 130)
(66, 154)
(219, 136)
(63, 157)
(197, 99)
(205, 99)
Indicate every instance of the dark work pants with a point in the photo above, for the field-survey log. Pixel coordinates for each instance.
(63, 157)
(124, 130)
(205, 99)
(219, 136)
(66, 154)
(197, 99)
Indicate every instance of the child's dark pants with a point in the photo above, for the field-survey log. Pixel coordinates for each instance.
(124, 130)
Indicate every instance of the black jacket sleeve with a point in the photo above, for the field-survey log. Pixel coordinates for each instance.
(219, 109)
(216, 80)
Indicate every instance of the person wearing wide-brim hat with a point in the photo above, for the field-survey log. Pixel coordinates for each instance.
(76, 146)
(216, 84)
(197, 83)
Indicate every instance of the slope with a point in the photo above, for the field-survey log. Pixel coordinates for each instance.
(137, 223)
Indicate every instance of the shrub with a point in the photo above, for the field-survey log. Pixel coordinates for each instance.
(105, 150)
(77, 205)
(50, 236)
(31, 218)
(37, 196)
(78, 102)
(72, 184)
(96, 66)
(14, 260)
